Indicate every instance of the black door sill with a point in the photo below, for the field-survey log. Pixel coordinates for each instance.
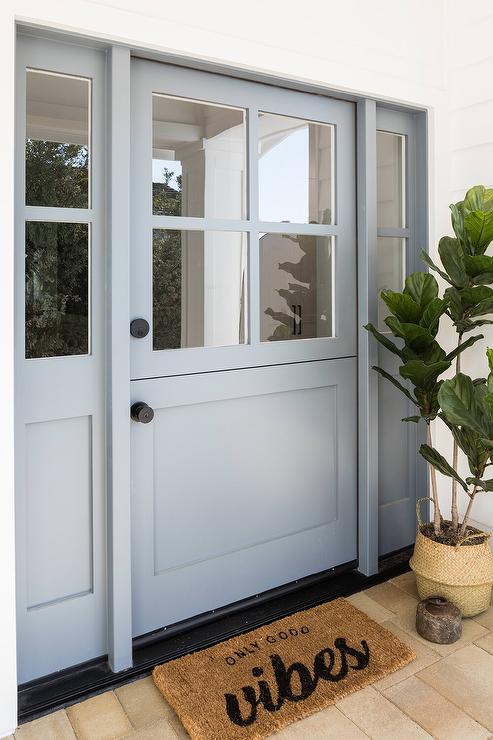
(80, 682)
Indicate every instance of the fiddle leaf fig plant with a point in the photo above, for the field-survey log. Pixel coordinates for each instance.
(464, 405)
(467, 409)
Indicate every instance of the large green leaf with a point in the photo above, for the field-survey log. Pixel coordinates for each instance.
(489, 357)
(470, 444)
(484, 278)
(464, 345)
(422, 287)
(477, 264)
(429, 354)
(479, 227)
(433, 353)
(384, 341)
(452, 256)
(468, 325)
(422, 375)
(402, 305)
(459, 403)
(477, 211)
(485, 485)
(473, 296)
(457, 210)
(482, 308)
(428, 401)
(458, 221)
(433, 457)
(488, 399)
(431, 315)
(394, 381)
(478, 198)
(427, 259)
(454, 300)
(418, 338)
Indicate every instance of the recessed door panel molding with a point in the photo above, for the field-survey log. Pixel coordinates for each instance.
(241, 482)
(209, 156)
(59, 511)
(270, 429)
(60, 357)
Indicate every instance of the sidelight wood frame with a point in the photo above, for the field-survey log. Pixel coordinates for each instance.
(118, 256)
(37, 377)
(412, 126)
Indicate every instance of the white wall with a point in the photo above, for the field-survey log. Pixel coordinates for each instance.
(468, 130)
(406, 51)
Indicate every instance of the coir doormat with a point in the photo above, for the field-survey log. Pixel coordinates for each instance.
(252, 685)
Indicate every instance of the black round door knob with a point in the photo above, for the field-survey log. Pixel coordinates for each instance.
(139, 328)
(140, 411)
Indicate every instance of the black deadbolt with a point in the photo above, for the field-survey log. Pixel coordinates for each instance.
(140, 411)
(139, 328)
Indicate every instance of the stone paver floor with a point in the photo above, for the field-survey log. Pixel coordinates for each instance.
(447, 692)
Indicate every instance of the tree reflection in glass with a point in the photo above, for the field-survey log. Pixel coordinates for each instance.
(166, 265)
(56, 174)
(57, 289)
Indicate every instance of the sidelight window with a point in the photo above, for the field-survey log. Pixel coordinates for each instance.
(57, 289)
(57, 140)
(391, 216)
(57, 252)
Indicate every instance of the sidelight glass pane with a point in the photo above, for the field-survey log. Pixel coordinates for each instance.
(296, 170)
(198, 159)
(57, 140)
(297, 278)
(391, 173)
(391, 271)
(199, 288)
(57, 289)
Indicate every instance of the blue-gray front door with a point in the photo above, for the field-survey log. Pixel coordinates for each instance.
(243, 265)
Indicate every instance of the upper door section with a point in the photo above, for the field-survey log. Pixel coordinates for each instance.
(243, 223)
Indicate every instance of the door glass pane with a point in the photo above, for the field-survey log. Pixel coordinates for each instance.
(296, 170)
(391, 266)
(297, 296)
(199, 288)
(198, 159)
(391, 173)
(57, 140)
(57, 289)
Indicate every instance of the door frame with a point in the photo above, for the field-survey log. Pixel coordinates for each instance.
(118, 342)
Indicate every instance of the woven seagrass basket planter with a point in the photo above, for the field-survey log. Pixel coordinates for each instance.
(461, 574)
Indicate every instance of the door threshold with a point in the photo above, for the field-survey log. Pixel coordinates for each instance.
(80, 682)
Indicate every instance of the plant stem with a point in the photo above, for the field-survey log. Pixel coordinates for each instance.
(472, 496)
(437, 518)
(455, 461)
(463, 528)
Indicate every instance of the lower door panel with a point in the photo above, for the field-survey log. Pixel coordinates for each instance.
(243, 481)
